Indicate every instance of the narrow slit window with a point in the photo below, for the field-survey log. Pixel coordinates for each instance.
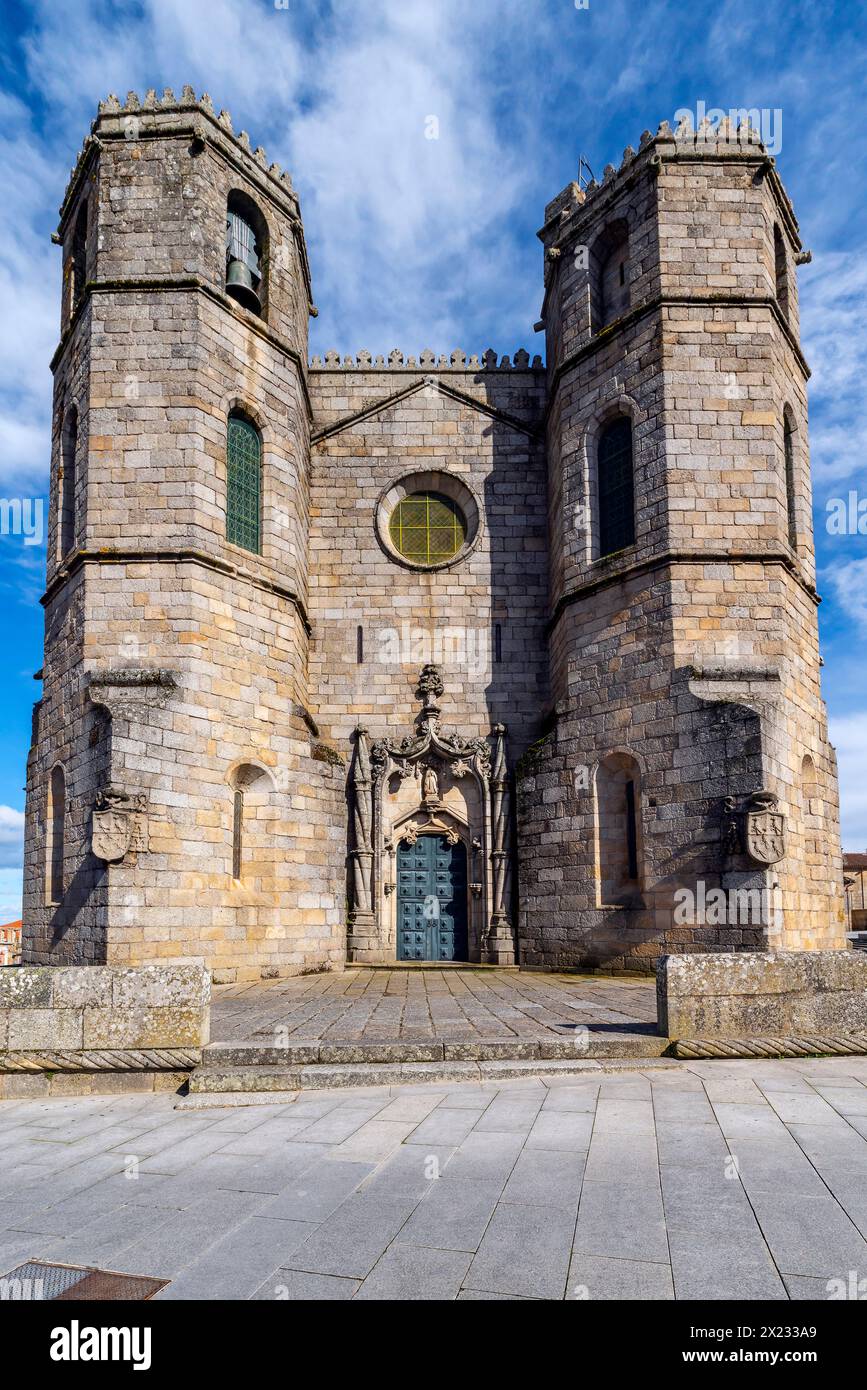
(68, 462)
(781, 271)
(237, 833)
(56, 835)
(789, 455)
(631, 832)
(79, 257)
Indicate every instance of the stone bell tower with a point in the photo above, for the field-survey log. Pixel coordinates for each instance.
(689, 750)
(178, 804)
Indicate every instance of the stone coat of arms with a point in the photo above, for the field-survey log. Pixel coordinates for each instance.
(114, 821)
(765, 829)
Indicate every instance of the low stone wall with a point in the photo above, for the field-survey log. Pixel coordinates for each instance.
(100, 1020)
(755, 994)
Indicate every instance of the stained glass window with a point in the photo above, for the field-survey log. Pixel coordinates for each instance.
(243, 484)
(427, 528)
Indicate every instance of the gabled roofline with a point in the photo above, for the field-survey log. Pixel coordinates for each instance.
(534, 431)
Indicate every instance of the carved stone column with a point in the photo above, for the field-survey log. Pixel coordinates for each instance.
(500, 946)
(362, 928)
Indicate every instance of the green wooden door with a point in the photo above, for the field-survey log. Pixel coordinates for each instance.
(431, 899)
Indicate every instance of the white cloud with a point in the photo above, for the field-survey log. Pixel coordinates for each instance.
(833, 311)
(29, 292)
(849, 736)
(11, 837)
(406, 231)
(849, 581)
(10, 895)
(409, 236)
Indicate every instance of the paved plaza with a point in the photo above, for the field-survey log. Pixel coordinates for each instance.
(673, 1179)
(463, 1004)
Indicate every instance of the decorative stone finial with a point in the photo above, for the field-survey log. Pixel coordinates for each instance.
(430, 687)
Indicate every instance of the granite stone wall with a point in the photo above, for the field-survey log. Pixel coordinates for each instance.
(192, 688)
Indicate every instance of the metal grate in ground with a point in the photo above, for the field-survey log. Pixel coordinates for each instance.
(40, 1282)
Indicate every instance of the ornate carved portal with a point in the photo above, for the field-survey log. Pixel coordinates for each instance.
(430, 783)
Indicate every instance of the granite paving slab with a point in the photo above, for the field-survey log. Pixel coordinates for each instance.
(642, 1183)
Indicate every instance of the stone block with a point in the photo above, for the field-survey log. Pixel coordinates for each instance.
(32, 1030)
(25, 986)
(161, 986)
(77, 987)
(142, 1026)
(751, 993)
(24, 1085)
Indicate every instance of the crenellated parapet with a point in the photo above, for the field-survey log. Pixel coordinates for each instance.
(708, 139)
(160, 116)
(428, 361)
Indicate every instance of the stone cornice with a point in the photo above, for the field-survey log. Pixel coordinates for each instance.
(183, 555)
(185, 284)
(723, 300)
(670, 558)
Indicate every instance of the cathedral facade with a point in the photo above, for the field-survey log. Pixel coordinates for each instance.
(406, 658)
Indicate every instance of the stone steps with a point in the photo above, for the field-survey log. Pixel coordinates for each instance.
(237, 1085)
(242, 1068)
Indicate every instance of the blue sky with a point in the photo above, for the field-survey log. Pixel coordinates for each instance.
(431, 243)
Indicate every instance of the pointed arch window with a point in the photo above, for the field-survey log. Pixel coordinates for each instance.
(618, 829)
(616, 487)
(243, 484)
